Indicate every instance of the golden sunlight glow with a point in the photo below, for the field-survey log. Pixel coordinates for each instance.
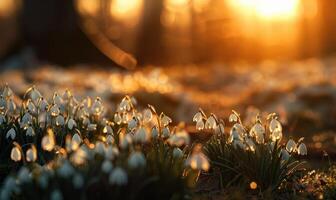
(172, 4)
(269, 9)
(176, 13)
(88, 7)
(130, 9)
(7, 7)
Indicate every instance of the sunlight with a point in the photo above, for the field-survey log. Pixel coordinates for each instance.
(269, 9)
(126, 8)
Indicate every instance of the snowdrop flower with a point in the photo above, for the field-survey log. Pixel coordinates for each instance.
(92, 127)
(284, 154)
(197, 160)
(200, 125)
(302, 149)
(30, 131)
(177, 152)
(258, 131)
(239, 128)
(11, 134)
(165, 132)
(155, 132)
(125, 104)
(118, 177)
(141, 135)
(107, 130)
(100, 148)
(11, 106)
(250, 144)
(54, 110)
(23, 175)
(16, 154)
(7, 92)
(235, 134)
(165, 120)
(275, 125)
(210, 123)
(42, 104)
(48, 141)
(198, 117)
(111, 152)
(97, 107)
(233, 118)
(107, 166)
(291, 146)
(276, 135)
(109, 139)
(136, 160)
(147, 115)
(57, 99)
(33, 94)
(31, 154)
(125, 141)
(56, 195)
(66, 169)
(26, 120)
(180, 138)
(31, 106)
(71, 124)
(117, 118)
(76, 140)
(59, 120)
(78, 181)
(132, 123)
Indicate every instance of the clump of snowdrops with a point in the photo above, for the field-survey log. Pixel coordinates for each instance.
(65, 148)
(253, 157)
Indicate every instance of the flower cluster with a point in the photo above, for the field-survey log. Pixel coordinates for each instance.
(65, 145)
(254, 153)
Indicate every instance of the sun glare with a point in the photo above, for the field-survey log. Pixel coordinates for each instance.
(126, 8)
(269, 9)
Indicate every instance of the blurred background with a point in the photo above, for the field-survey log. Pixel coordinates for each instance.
(248, 55)
(166, 32)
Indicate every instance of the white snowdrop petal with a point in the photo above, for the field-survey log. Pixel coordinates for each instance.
(107, 166)
(147, 117)
(16, 154)
(302, 149)
(291, 146)
(11, 134)
(210, 123)
(136, 160)
(118, 177)
(31, 155)
(197, 117)
(200, 125)
(233, 118)
(275, 125)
